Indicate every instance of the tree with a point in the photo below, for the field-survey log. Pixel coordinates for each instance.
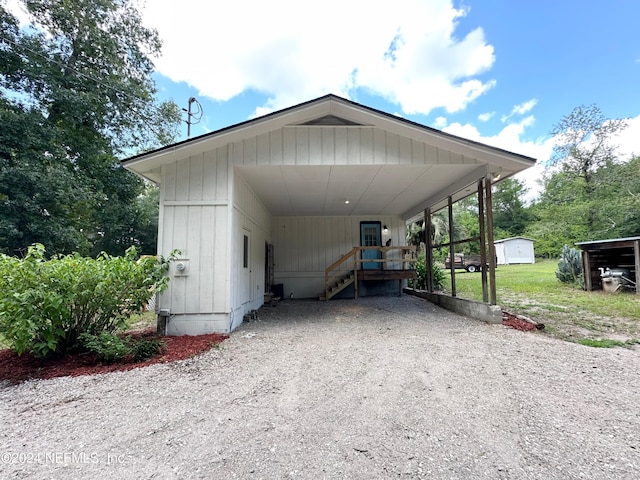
(583, 145)
(40, 199)
(592, 194)
(509, 212)
(439, 232)
(558, 214)
(77, 85)
(617, 200)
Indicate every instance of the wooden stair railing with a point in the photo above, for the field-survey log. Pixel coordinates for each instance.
(340, 274)
(344, 271)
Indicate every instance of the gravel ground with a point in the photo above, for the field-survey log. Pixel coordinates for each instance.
(370, 389)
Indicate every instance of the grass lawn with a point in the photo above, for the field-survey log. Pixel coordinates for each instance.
(142, 321)
(567, 312)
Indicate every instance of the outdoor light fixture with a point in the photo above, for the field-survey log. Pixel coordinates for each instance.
(346, 201)
(385, 230)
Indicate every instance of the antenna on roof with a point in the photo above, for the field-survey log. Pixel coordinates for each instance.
(193, 118)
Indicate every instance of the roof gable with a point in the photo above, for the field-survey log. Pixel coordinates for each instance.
(411, 166)
(330, 120)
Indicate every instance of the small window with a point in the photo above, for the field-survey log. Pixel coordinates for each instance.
(245, 257)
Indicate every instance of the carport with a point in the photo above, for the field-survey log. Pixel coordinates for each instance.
(314, 199)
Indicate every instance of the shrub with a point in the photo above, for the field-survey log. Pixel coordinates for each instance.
(45, 305)
(109, 348)
(421, 272)
(570, 266)
(145, 349)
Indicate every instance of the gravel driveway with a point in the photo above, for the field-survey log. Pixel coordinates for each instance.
(375, 388)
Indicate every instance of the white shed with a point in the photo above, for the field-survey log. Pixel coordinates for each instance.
(279, 200)
(515, 250)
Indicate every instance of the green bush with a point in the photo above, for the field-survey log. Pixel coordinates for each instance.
(45, 305)
(145, 349)
(570, 266)
(421, 272)
(109, 348)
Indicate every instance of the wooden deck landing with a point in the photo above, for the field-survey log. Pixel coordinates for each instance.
(386, 274)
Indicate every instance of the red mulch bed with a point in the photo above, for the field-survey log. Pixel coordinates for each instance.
(18, 368)
(517, 323)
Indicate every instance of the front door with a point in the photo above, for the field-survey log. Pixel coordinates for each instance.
(371, 236)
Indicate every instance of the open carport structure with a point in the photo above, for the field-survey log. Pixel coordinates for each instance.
(279, 199)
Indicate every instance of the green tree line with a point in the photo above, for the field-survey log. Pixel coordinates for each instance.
(588, 193)
(76, 93)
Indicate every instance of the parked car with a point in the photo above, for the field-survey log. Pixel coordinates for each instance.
(471, 263)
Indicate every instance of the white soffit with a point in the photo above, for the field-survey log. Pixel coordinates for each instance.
(370, 190)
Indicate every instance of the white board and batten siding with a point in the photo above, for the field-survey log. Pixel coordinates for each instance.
(305, 246)
(343, 145)
(250, 219)
(515, 250)
(195, 212)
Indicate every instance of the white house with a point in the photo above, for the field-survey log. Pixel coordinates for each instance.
(514, 250)
(278, 199)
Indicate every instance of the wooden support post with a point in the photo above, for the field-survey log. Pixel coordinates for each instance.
(355, 276)
(452, 255)
(428, 242)
(483, 241)
(636, 251)
(586, 271)
(492, 248)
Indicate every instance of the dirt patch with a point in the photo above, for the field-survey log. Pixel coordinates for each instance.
(19, 368)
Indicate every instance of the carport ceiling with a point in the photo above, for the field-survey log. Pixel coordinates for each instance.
(371, 190)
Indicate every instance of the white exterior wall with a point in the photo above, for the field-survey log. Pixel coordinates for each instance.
(195, 218)
(252, 219)
(515, 250)
(305, 246)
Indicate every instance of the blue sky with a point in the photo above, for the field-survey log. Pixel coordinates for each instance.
(502, 72)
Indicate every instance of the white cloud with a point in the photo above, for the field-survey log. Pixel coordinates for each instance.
(408, 54)
(525, 107)
(512, 138)
(440, 122)
(521, 109)
(628, 140)
(485, 117)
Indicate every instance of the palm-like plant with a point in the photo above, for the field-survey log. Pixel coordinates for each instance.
(439, 230)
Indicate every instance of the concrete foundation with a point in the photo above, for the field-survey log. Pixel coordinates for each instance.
(469, 308)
